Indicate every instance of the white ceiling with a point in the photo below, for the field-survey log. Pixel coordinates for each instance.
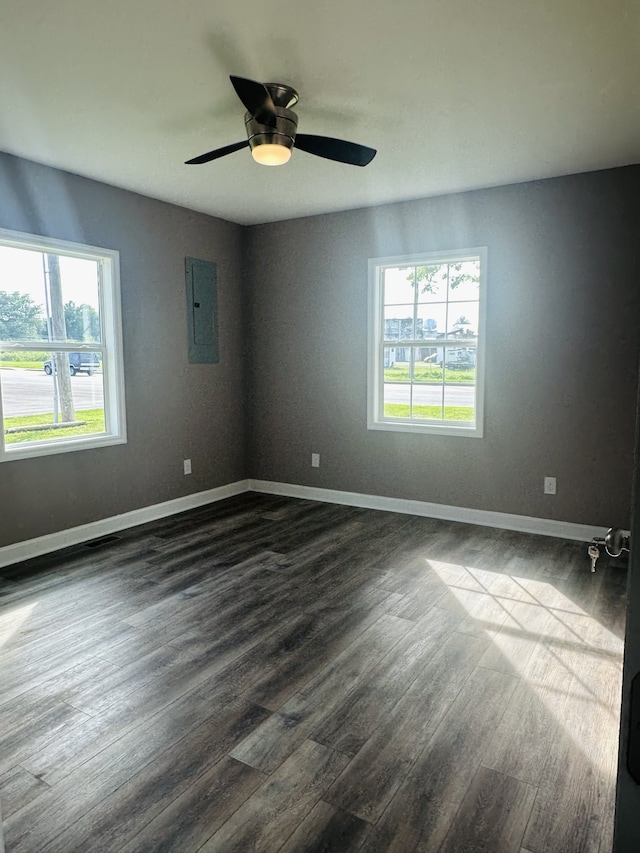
(454, 94)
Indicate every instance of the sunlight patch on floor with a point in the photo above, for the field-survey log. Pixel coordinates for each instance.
(571, 662)
(11, 622)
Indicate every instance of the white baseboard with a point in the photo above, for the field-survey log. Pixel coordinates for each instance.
(10, 554)
(31, 548)
(486, 518)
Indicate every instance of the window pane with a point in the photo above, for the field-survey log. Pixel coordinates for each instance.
(22, 295)
(45, 296)
(431, 319)
(459, 402)
(397, 400)
(463, 319)
(398, 323)
(460, 364)
(396, 364)
(398, 285)
(426, 366)
(464, 281)
(41, 405)
(427, 402)
(432, 282)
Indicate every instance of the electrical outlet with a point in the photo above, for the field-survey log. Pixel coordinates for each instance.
(315, 460)
(187, 466)
(550, 485)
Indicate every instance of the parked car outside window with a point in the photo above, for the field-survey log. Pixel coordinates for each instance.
(79, 362)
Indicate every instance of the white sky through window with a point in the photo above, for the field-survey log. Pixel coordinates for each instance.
(21, 270)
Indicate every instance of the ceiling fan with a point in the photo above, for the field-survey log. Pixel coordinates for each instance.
(271, 130)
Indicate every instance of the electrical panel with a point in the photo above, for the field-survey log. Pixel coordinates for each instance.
(202, 311)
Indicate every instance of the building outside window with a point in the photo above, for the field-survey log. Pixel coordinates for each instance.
(61, 370)
(426, 342)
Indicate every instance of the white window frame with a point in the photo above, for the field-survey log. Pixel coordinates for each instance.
(110, 347)
(375, 396)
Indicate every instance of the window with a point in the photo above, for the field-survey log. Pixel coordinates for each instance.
(426, 342)
(61, 376)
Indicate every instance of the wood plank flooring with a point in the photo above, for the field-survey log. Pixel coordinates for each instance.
(268, 674)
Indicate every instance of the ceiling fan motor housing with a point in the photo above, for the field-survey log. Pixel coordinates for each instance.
(284, 133)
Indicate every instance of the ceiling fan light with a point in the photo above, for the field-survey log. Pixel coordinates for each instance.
(270, 154)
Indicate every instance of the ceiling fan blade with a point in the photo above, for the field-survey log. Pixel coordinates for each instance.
(256, 99)
(219, 152)
(335, 149)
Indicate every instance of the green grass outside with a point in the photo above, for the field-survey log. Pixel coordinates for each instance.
(428, 373)
(25, 365)
(451, 413)
(25, 360)
(94, 423)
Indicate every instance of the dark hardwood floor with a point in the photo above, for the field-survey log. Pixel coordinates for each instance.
(267, 674)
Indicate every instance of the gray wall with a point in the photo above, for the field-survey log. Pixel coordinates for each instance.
(174, 410)
(563, 333)
(562, 345)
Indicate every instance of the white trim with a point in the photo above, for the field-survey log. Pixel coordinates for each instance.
(31, 548)
(86, 532)
(450, 428)
(109, 346)
(19, 239)
(376, 345)
(486, 518)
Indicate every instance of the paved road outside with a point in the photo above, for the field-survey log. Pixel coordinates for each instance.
(30, 392)
(430, 395)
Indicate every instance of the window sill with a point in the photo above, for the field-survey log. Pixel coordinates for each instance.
(32, 450)
(471, 431)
